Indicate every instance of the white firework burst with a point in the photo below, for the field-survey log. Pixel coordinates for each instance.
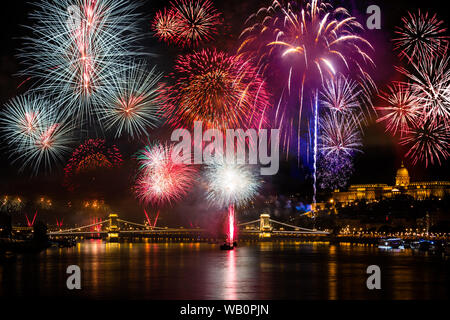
(135, 103)
(36, 134)
(75, 49)
(230, 183)
(430, 82)
(341, 94)
(340, 134)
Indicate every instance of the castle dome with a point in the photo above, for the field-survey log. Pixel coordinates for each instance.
(402, 172)
(402, 177)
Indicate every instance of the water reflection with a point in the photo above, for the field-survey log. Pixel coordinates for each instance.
(268, 270)
(230, 284)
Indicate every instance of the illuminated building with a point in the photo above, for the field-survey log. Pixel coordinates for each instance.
(403, 185)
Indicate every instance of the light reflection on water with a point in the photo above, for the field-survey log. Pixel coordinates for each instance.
(266, 270)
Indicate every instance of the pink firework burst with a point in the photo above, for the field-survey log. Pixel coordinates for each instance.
(401, 109)
(161, 180)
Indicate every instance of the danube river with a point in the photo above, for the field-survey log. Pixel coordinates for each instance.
(278, 270)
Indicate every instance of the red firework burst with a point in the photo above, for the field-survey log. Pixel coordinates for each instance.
(92, 154)
(221, 90)
(428, 143)
(166, 25)
(161, 180)
(420, 34)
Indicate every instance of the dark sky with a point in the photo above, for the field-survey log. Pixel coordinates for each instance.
(381, 157)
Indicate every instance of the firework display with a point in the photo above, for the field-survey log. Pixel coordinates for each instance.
(134, 105)
(77, 47)
(419, 107)
(230, 185)
(91, 155)
(219, 89)
(187, 22)
(420, 35)
(224, 150)
(309, 42)
(339, 133)
(198, 19)
(37, 135)
(302, 67)
(318, 39)
(161, 180)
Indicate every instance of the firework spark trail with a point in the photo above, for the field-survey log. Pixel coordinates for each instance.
(402, 109)
(156, 219)
(76, 48)
(231, 221)
(316, 128)
(161, 180)
(220, 90)
(135, 103)
(309, 40)
(148, 219)
(420, 35)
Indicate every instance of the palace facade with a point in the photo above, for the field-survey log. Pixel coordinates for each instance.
(403, 185)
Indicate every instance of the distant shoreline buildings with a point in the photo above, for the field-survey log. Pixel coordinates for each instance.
(403, 186)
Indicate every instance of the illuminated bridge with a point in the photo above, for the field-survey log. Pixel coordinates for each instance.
(264, 227)
(114, 228)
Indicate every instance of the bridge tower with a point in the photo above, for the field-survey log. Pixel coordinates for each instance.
(265, 227)
(113, 228)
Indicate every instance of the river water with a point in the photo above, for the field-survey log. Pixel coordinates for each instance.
(265, 270)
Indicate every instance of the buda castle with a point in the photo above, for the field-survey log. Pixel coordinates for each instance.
(403, 185)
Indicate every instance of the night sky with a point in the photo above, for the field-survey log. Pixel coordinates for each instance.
(382, 154)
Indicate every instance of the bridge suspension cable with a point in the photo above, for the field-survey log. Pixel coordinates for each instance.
(250, 222)
(138, 224)
(84, 227)
(290, 226)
